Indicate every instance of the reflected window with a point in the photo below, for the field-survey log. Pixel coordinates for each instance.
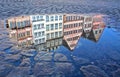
(28, 33)
(52, 18)
(74, 25)
(37, 17)
(80, 30)
(43, 33)
(35, 34)
(67, 18)
(39, 34)
(69, 39)
(11, 25)
(52, 35)
(19, 35)
(47, 18)
(48, 36)
(41, 17)
(96, 32)
(52, 26)
(60, 17)
(80, 24)
(42, 25)
(70, 18)
(65, 26)
(82, 18)
(60, 33)
(60, 25)
(38, 26)
(35, 27)
(47, 27)
(56, 34)
(56, 26)
(43, 39)
(23, 34)
(100, 31)
(56, 18)
(18, 24)
(33, 17)
(27, 23)
(22, 24)
(60, 41)
(39, 40)
(52, 43)
(36, 41)
(65, 33)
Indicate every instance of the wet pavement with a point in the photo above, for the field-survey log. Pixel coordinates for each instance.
(89, 58)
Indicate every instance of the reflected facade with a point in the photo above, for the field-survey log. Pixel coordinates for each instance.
(73, 28)
(38, 29)
(97, 29)
(20, 30)
(50, 31)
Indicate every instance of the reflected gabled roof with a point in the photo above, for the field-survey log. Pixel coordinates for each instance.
(95, 36)
(68, 45)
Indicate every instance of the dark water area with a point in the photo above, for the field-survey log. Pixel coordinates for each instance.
(102, 53)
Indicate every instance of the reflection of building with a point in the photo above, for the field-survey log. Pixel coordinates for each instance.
(50, 44)
(20, 29)
(38, 29)
(51, 30)
(54, 44)
(98, 27)
(97, 20)
(87, 27)
(54, 26)
(54, 31)
(73, 24)
(41, 47)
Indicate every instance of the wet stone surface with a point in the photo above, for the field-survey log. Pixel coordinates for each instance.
(93, 71)
(14, 50)
(25, 62)
(116, 73)
(10, 8)
(43, 69)
(65, 68)
(80, 61)
(19, 72)
(43, 56)
(5, 69)
(30, 63)
(104, 56)
(60, 57)
(28, 53)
